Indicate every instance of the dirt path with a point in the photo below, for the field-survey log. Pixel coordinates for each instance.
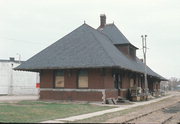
(151, 113)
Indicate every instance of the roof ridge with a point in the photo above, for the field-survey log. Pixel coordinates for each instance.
(104, 35)
(121, 33)
(116, 36)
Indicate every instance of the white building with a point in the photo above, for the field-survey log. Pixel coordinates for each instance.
(17, 82)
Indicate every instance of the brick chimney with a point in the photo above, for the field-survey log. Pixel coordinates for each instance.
(102, 20)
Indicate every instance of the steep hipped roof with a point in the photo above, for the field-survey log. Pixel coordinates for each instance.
(114, 34)
(85, 47)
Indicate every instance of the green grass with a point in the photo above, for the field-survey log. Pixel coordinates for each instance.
(37, 111)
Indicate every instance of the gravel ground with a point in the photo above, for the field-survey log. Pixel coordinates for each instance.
(170, 115)
(156, 117)
(175, 119)
(175, 110)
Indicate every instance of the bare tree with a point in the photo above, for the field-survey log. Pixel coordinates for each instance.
(173, 83)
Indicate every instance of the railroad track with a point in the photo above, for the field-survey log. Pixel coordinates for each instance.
(168, 119)
(162, 116)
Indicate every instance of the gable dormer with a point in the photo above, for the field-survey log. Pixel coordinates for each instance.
(117, 38)
(132, 51)
(127, 49)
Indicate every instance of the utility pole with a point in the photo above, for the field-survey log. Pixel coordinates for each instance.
(145, 70)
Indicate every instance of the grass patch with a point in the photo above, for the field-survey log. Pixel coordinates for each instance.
(37, 111)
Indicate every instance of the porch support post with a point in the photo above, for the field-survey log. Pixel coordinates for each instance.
(104, 96)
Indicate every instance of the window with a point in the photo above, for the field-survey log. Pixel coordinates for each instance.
(83, 79)
(131, 51)
(59, 78)
(117, 81)
(131, 82)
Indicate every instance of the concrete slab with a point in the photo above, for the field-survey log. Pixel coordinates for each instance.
(18, 98)
(52, 121)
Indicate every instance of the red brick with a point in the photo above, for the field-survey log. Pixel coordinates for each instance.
(71, 95)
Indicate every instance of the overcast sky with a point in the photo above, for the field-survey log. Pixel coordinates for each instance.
(27, 26)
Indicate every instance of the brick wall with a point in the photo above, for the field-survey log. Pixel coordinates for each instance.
(70, 79)
(124, 49)
(111, 93)
(124, 93)
(46, 79)
(71, 95)
(108, 80)
(125, 82)
(95, 79)
(127, 50)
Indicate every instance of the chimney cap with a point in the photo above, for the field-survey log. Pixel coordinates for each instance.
(102, 15)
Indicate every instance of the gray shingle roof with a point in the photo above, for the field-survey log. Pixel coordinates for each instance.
(114, 34)
(85, 47)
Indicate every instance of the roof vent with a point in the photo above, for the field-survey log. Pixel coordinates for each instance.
(102, 20)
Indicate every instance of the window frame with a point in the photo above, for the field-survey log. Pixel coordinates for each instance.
(55, 74)
(78, 76)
